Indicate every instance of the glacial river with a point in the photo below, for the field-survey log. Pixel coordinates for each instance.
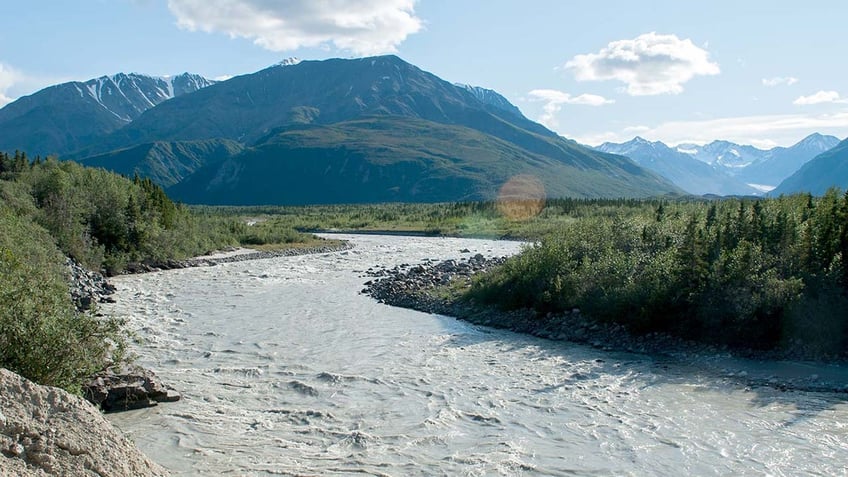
(285, 369)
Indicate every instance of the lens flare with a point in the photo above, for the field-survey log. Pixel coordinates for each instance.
(521, 197)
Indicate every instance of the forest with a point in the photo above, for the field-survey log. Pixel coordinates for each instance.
(746, 273)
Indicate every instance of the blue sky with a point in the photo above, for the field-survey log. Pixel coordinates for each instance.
(756, 72)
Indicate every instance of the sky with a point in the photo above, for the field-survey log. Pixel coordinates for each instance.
(766, 73)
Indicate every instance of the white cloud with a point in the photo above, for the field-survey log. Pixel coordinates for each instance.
(761, 131)
(780, 80)
(555, 99)
(223, 77)
(650, 64)
(364, 27)
(8, 77)
(819, 98)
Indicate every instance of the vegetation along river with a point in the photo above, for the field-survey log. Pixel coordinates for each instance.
(286, 369)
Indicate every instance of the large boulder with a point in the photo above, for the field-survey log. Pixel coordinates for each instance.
(127, 388)
(46, 431)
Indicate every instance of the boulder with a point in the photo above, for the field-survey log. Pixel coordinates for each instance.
(47, 431)
(127, 388)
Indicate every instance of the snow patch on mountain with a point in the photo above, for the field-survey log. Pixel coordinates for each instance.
(128, 95)
(289, 61)
(490, 97)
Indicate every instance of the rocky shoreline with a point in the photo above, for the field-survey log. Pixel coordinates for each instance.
(47, 431)
(425, 287)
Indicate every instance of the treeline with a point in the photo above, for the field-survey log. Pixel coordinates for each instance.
(746, 273)
(105, 220)
(50, 210)
(484, 219)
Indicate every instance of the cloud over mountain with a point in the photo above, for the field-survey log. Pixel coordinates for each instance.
(554, 100)
(786, 128)
(363, 27)
(649, 64)
(819, 98)
(8, 77)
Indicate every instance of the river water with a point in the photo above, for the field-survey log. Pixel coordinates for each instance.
(285, 369)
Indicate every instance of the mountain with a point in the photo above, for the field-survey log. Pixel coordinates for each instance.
(166, 163)
(782, 162)
(65, 117)
(247, 108)
(688, 173)
(724, 154)
(491, 98)
(758, 168)
(401, 159)
(369, 129)
(829, 169)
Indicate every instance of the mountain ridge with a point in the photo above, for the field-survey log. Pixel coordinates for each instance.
(382, 129)
(733, 169)
(64, 117)
(688, 173)
(828, 169)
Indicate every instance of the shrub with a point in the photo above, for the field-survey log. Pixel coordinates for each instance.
(42, 336)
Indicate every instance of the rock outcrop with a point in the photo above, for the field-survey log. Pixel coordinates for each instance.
(127, 389)
(46, 431)
(87, 287)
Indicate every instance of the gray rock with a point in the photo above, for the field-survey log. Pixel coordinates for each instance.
(127, 389)
(46, 431)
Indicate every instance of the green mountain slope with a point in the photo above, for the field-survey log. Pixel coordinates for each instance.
(380, 159)
(166, 163)
(828, 169)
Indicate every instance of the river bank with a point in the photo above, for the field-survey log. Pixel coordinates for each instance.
(435, 287)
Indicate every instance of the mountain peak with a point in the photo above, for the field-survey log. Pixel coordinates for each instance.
(818, 141)
(490, 97)
(107, 103)
(289, 61)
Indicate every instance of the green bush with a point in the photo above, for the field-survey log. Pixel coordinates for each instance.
(42, 336)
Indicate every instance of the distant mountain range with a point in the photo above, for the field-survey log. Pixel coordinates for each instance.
(829, 169)
(683, 169)
(68, 116)
(361, 130)
(722, 167)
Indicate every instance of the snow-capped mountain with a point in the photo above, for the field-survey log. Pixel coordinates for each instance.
(782, 162)
(490, 97)
(61, 118)
(289, 61)
(759, 168)
(680, 167)
(724, 154)
(128, 95)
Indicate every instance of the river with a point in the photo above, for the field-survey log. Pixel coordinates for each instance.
(286, 369)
